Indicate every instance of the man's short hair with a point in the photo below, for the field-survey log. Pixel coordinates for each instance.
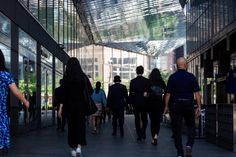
(117, 78)
(139, 69)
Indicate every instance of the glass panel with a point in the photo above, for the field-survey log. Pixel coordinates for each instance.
(46, 57)
(56, 20)
(27, 78)
(5, 39)
(59, 66)
(46, 87)
(43, 12)
(58, 78)
(46, 95)
(33, 7)
(65, 23)
(61, 21)
(26, 41)
(50, 15)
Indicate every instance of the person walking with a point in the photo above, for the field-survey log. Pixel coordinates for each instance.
(155, 102)
(61, 121)
(99, 97)
(6, 82)
(181, 89)
(73, 103)
(139, 87)
(116, 102)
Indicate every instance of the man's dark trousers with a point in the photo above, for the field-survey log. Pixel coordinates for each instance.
(118, 114)
(140, 116)
(180, 110)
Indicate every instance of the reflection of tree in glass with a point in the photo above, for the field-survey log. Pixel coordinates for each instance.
(31, 84)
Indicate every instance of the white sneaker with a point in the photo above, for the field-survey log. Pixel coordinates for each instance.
(73, 153)
(78, 152)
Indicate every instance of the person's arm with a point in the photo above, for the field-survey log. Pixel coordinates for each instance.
(18, 94)
(167, 99)
(198, 101)
(60, 111)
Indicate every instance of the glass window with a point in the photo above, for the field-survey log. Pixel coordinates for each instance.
(59, 66)
(61, 22)
(5, 25)
(46, 57)
(43, 12)
(5, 39)
(26, 41)
(50, 15)
(56, 20)
(46, 94)
(7, 55)
(27, 76)
(33, 7)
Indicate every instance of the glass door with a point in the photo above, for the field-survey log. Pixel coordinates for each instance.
(27, 81)
(46, 95)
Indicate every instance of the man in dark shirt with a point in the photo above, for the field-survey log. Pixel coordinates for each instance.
(138, 98)
(182, 87)
(57, 98)
(116, 101)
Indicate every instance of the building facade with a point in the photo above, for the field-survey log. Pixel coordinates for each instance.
(37, 37)
(211, 27)
(211, 52)
(102, 63)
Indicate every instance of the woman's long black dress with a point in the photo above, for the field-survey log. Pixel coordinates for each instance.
(74, 107)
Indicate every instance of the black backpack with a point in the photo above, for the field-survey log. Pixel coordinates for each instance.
(156, 92)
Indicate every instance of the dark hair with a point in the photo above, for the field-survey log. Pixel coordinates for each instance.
(2, 62)
(61, 81)
(155, 77)
(74, 72)
(98, 87)
(139, 69)
(117, 78)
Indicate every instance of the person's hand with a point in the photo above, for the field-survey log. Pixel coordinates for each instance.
(197, 111)
(26, 103)
(166, 110)
(59, 113)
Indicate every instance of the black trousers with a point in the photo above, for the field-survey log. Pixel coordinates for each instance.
(178, 111)
(61, 121)
(140, 122)
(155, 116)
(76, 129)
(118, 114)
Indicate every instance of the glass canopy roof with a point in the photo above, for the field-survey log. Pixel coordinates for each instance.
(132, 24)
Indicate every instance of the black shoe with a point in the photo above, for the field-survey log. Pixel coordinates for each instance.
(139, 139)
(154, 142)
(122, 132)
(113, 134)
(144, 136)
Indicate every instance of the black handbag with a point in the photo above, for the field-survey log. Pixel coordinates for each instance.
(90, 106)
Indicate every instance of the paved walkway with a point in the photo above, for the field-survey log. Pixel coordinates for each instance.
(48, 143)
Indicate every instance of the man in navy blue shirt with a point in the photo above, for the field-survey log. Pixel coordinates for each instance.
(182, 88)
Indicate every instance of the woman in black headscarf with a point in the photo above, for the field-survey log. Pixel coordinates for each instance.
(73, 86)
